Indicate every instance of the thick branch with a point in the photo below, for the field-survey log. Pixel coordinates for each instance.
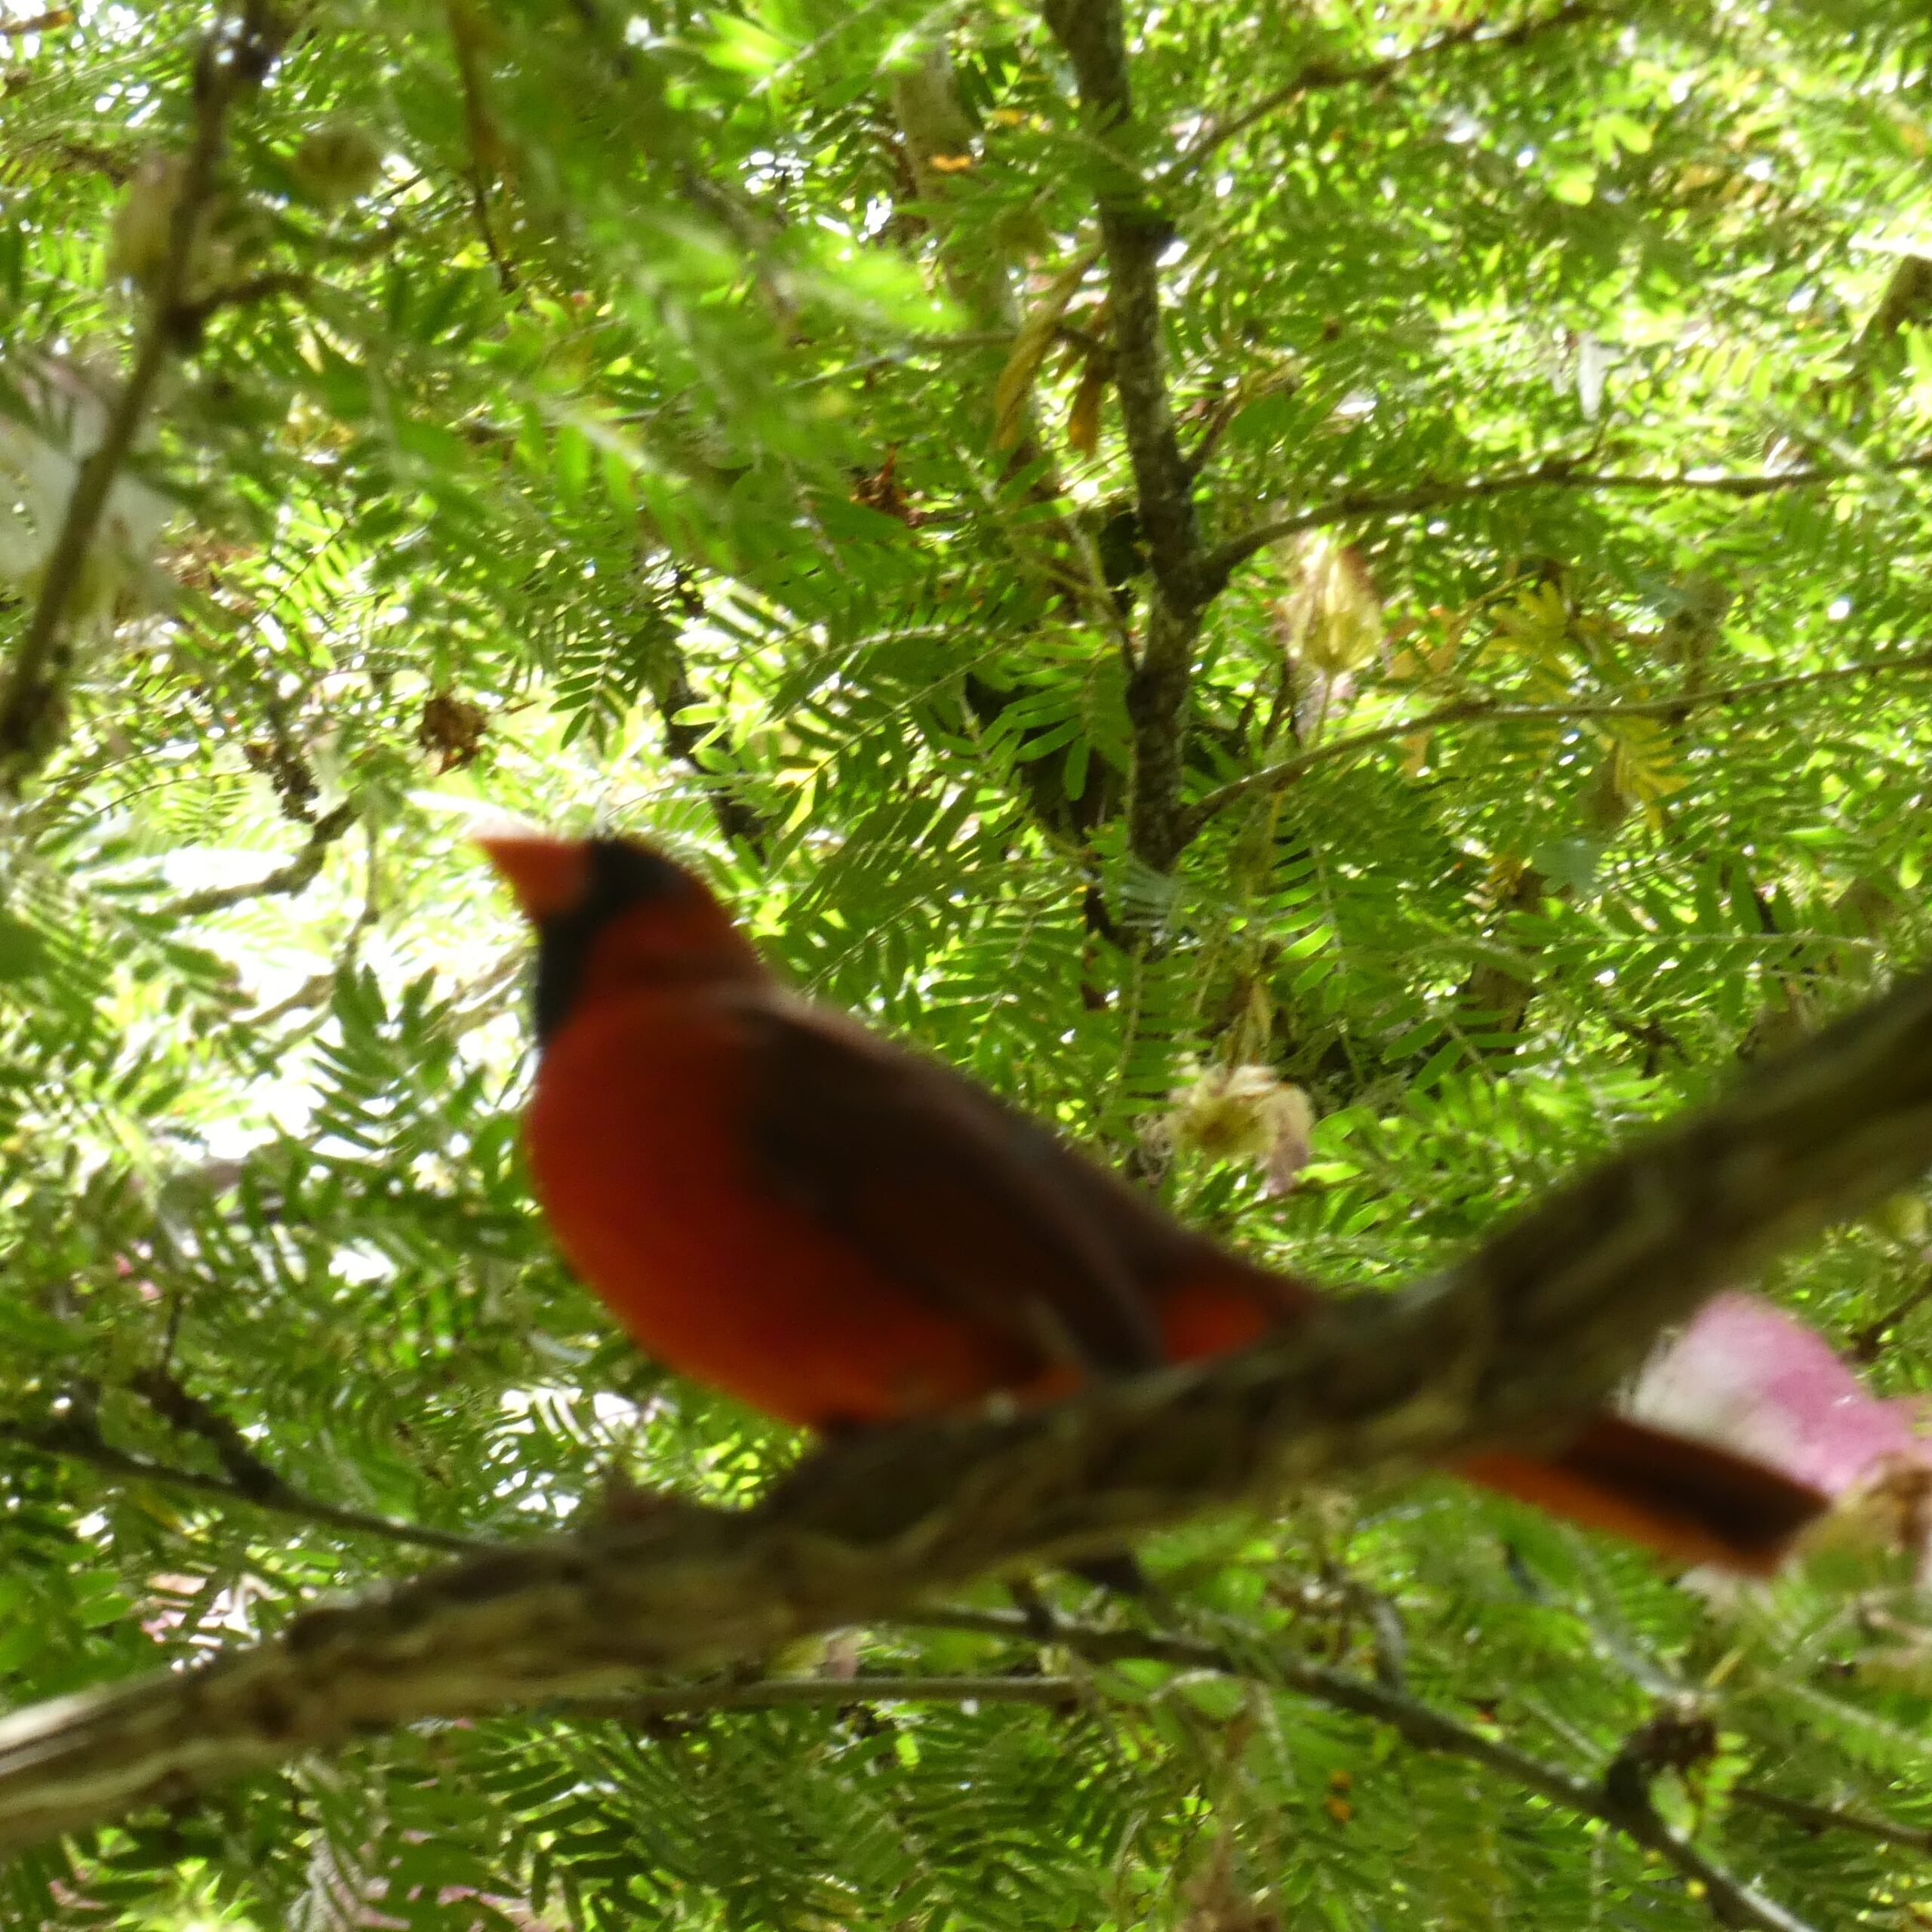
(32, 697)
(1558, 473)
(1733, 1901)
(1132, 234)
(300, 872)
(1487, 711)
(1532, 1329)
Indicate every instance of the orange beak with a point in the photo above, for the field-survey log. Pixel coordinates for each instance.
(549, 876)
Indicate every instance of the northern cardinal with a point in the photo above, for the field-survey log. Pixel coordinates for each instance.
(777, 1202)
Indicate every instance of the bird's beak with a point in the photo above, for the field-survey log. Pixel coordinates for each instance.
(549, 876)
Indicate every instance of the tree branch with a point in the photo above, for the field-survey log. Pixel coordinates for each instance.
(1321, 74)
(1867, 1343)
(1734, 1902)
(480, 130)
(1531, 1331)
(1489, 711)
(1832, 1818)
(1558, 473)
(300, 872)
(765, 1693)
(1132, 234)
(32, 696)
(75, 1439)
(741, 822)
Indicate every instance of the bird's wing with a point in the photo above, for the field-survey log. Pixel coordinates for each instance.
(950, 1194)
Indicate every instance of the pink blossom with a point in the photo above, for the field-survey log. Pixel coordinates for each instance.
(1754, 1380)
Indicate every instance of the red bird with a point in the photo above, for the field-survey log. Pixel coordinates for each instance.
(775, 1201)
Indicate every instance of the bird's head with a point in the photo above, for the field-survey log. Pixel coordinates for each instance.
(613, 916)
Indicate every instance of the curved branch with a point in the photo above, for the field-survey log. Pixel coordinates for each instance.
(1734, 1902)
(1558, 473)
(1488, 711)
(300, 872)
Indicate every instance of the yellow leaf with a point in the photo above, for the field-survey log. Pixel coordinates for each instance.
(1646, 757)
(1506, 874)
(1535, 627)
(1029, 349)
(949, 164)
(143, 223)
(1415, 754)
(1083, 419)
(1333, 619)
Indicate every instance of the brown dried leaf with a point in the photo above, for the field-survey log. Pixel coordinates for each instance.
(452, 726)
(881, 490)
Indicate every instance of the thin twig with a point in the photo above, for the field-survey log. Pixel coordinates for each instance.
(1735, 1902)
(1865, 1343)
(300, 872)
(193, 317)
(1558, 473)
(1487, 711)
(482, 133)
(1832, 1818)
(176, 1405)
(1220, 415)
(32, 695)
(1319, 76)
(75, 1439)
(763, 1694)
(740, 821)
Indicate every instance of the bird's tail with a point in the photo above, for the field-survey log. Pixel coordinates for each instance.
(1681, 1496)
(1684, 1498)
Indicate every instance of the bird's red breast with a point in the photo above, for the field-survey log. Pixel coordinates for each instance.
(780, 1204)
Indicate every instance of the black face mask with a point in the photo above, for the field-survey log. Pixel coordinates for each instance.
(622, 875)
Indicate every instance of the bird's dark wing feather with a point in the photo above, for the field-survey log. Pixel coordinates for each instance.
(950, 1194)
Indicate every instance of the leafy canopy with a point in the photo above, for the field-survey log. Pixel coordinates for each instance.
(1496, 708)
